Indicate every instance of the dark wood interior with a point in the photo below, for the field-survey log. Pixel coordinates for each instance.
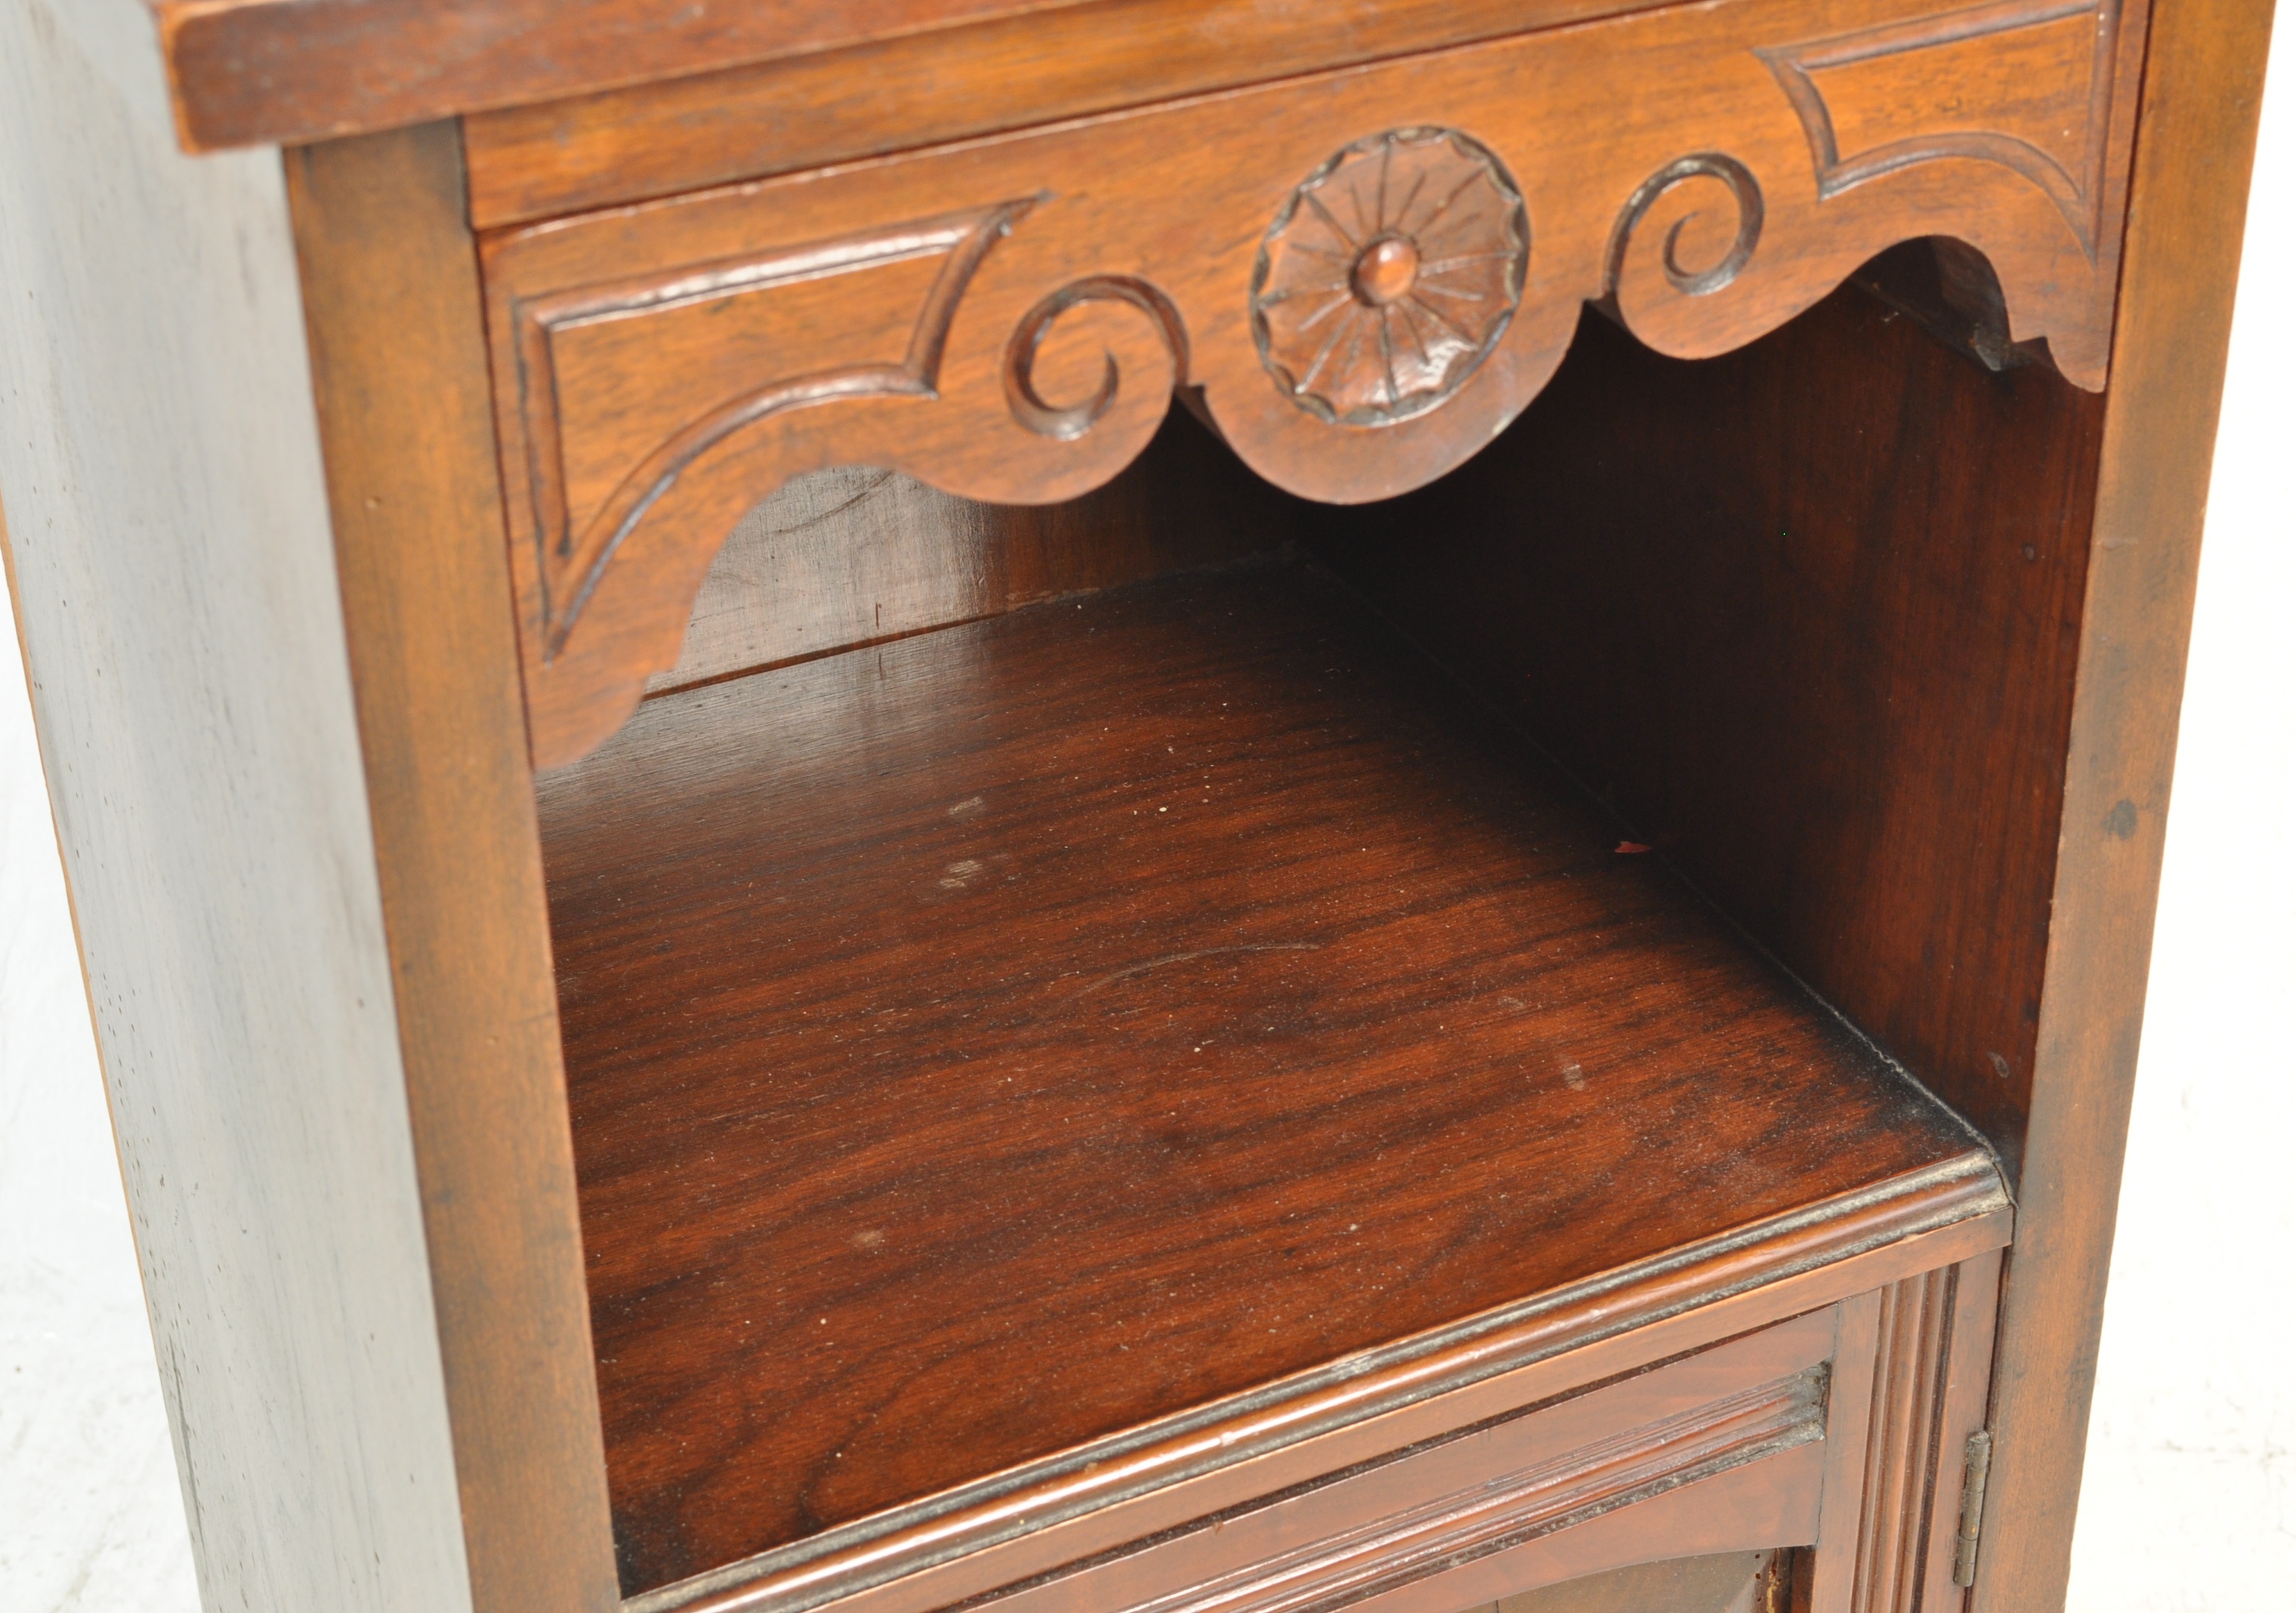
(991, 1040)
(984, 1040)
(1458, 1029)
(1806, 616)
(848, 557)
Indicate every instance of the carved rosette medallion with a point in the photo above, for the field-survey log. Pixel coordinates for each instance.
(1390, 275)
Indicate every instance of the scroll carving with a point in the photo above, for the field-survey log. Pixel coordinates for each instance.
(661, 368)
(1746, 194)
(576, 551)
(1068, 422)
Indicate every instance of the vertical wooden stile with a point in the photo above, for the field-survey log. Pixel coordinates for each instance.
(391, 294)
(2197, 138)
(169, 551)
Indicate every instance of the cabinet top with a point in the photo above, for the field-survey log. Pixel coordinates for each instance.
(262, 72)
(255, 72)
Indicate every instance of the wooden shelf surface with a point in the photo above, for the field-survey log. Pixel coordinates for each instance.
(991, 1041)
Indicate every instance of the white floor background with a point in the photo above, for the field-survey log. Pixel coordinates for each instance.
(2190, 1504)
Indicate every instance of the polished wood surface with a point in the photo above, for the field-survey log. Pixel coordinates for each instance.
(390, 282)
(804, 111)
(2202, 84)
(1972, 1300)
(170, 558)
(980, 244)
(1913, 1337)
(1719, 1450)
(1806, 616)
(1878, 1474)
(1696, 1450)
(1027, 991)
(1114, 1494)
(1005, 319)
(1827, 1580)
(283, 72)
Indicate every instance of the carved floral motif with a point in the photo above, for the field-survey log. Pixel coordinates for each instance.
(1389, 274)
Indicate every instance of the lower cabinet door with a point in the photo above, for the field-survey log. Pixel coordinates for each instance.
(1817, 1463)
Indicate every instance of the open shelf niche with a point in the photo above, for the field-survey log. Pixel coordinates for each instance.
(1005, 1043)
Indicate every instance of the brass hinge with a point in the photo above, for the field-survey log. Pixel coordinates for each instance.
(1976, 1459)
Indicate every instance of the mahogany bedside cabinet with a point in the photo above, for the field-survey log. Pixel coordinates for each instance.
(1117, 805)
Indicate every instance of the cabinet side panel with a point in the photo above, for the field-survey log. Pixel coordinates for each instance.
(2203, 84)
(391, 288)
(169, 538)
(1806, 615)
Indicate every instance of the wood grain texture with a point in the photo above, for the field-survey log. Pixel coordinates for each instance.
(2202, 82)
(1934, 1335)
(1005, 319)
(1915, 1327)
(390, 279)
(909, 1074)
(1950, 291)
(1400, 1530)
(1908, 1391)
(1806, 616)
(283, 72)
(1825, 1580)
(1963, 1401)
(170, 556)
(855, 556)
(1127, 1490)
(1741, 1504)
(895, 95)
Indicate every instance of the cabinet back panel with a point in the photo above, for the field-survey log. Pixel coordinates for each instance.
(1806, 616)
(858, 556)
